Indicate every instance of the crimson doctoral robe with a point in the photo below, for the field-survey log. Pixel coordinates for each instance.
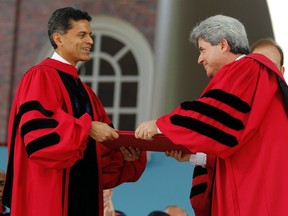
(54, 168)
(240, 118)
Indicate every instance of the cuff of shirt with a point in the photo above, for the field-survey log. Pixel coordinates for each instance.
(199, 158)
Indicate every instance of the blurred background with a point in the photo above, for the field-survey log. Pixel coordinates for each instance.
(142, 66)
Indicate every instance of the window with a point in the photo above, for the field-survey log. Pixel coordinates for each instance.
(120, 71)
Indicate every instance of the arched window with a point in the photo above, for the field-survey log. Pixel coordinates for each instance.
(120, 71)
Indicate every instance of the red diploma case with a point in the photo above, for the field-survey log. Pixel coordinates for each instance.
(159, 143)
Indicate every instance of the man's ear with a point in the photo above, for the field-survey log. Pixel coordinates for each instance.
(57, 39)
(282, 69)
(224, 44)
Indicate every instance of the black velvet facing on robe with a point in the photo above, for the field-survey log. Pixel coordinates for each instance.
(83, 198)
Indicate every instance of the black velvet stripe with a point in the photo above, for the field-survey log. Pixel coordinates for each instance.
(198, 189)
(42, 142)
(36, 124)
(228, 99)
(32, 105)
(214, 113)
(204, 129)
(24, 108)
(199, 170)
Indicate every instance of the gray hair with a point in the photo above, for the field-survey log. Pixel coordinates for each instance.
(218, 27)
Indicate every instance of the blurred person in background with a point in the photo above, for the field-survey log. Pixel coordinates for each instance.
(174, 210)
(269, 48)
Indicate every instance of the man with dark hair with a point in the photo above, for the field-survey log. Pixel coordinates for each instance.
(158, 213)
(57, 165)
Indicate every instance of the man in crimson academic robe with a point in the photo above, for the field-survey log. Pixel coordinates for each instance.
(240, 119)
(57, 165)
(200, 196)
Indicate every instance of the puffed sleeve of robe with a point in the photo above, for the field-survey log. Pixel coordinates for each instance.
(51, 136)
(228, 112)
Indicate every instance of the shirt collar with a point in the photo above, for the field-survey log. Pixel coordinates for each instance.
(239, 57)
(57, 57)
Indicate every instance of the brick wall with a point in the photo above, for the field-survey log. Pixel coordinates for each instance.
(7, 20)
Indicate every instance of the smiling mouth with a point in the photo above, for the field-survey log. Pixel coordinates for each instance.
(88, 50)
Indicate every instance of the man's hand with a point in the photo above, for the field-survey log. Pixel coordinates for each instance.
(178, 155)
(101, 131)
(146, 130)
(130, 154)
